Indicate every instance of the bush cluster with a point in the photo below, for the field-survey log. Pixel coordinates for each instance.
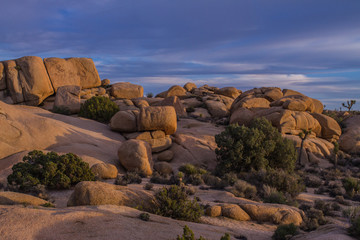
(128, 178)
(99, 108)
(188, 234)
(259, 146)
(52, 170)
(173, 202)
(284, 232)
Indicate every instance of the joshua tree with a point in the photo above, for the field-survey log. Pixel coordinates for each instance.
(349, 104)
(303, 135)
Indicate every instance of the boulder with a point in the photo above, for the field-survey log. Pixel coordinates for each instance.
(330, 129)
(125, 104)
(295, 103)
(217, 109)
(104, 170)
(175, 102)
(273, 94)
(14, 198)
(163, 168)
(318, 106)
(72, 71)
(68, 97)
(234, 212)
(141, 103)
(191, 103)
(213, 211)
(276, 214)
(254, 103)
(229, 92)
(100, 193)
(126, 90)
(159, 144)
(350, 140)
(166, 156)
(289, 92)
(105, 82)
(242, 116)
(2, 77)
(190, 86)
(136, 155)
(175, 91)
(157, 118)
(124, 121)
(27, 80)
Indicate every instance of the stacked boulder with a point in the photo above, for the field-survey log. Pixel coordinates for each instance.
(30, 80)
(291, 112)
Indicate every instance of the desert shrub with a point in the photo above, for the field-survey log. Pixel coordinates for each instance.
(214, 182)
(271, 195)
(144, 216)
(188, 234)
(159, 179)
(99, 108)
(244, 189)
(231, 178)
(149, 95)
(313, 219)
(192, 174)
(259, 146)
(51, 170)
(128, 178)
(354, 229)
(351, 186)
(284, 232)
(173, 202)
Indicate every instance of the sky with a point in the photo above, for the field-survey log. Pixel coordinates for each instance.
(306, 45)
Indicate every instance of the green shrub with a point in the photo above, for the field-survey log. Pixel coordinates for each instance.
(354, 229)
(192, 174)
(99, 108)
(188, 234)
(173, 202)
(214, 182)
(149, 95)
(128, 178)
(351, 186)
(272, 195)
(149, 186)
(259, 146)
(51, 170)
(284, 232)
(144, 216)
(284, 182)
(244, 190)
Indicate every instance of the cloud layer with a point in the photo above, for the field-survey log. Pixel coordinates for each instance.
(309, 46)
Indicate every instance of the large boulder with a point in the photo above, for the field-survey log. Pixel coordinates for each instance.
(14, 198)
(68, 98)
(175, 102)
(157, 118)
(27, 80)
(104, 170)
(273, 213)
(296, 103)
(242, 116)
(126, 90)
(350, 140)
(124, 121)
(189, 86)
(217, 109)
(330, 129)
(100, 193)
(235, 212)
(229, 92)
(72, 71)
(252, 103)
(175, 91)
(135, 155)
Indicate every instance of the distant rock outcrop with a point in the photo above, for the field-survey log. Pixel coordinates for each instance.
(29, 80)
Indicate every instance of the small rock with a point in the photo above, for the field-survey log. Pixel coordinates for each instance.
(166, 156)
(163, 168)
(235, 212)
(104, 170)
(213, 211)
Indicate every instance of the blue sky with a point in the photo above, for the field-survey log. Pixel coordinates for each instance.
(309, 46)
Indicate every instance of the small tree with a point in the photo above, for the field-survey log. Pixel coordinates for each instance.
(349, 104)
(303, 135)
